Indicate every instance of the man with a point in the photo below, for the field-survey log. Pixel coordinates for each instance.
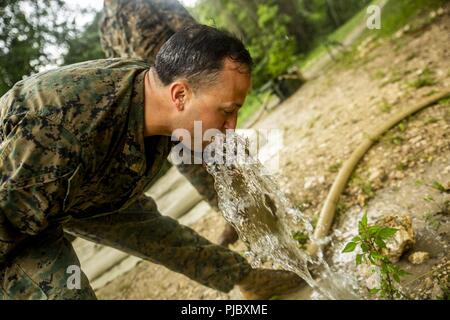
(78, 147)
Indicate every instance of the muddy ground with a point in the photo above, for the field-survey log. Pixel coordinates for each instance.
(322, 123)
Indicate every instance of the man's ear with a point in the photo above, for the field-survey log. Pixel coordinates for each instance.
(179, 93)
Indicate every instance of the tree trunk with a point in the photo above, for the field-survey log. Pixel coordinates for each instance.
(296, 25)
(333, 14)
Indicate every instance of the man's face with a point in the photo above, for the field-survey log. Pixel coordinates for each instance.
(217, 105)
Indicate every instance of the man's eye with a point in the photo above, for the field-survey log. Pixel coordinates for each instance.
(228, 111)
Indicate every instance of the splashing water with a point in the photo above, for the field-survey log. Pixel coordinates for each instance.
(253, 203)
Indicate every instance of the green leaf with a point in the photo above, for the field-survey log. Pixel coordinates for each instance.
(358, 259)
(437, 185)
(380, 243)
(364, 220)
(376, 255)
(356, 239)
(386, 233)
(402, 273)
(374, 291)
(396, 277)
(374, 230)
(301, 237)
(349, 247)
(364, 247)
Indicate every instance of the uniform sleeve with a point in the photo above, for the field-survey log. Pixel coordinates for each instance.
(38, 160)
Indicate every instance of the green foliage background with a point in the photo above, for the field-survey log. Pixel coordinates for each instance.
(280, 34)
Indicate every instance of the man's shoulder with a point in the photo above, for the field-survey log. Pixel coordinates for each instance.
(84, 97)
(100, 65)
(63, 78)
(87, 71)
(84, 86)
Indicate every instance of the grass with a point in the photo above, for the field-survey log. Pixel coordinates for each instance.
(363, 185)
(432, 221)
(445, 101)
(341, 208)
(338, 35)
(431, 120)
(301, 237)
(334, 168)
(393, 138)
(426, 78)
(385, 106)
(438, 186)
(397, 13)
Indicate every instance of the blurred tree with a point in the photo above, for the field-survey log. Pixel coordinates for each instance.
(298, 26)
(138, 29)
(28, 28)
(85, 46)
(263, 27)
(273, 49)
(277, 30)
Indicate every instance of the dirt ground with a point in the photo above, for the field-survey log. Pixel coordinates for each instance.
(322, 124)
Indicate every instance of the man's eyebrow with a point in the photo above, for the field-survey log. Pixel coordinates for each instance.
(233, 104)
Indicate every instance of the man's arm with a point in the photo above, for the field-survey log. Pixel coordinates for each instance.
(38, 160)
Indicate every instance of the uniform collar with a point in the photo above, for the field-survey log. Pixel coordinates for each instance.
(154, 149)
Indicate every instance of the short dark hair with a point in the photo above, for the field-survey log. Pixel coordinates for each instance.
(197, 53)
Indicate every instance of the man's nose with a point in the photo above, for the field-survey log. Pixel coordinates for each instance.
(231, 122)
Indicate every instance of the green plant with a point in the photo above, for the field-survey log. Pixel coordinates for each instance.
(398, 13)
(341, 208)
(431, 120)
(363, 185)
(385, 106)
(438, 186)
(432, 221)
(335, 167)
(402, 126)
(393, 138)
(301, 237)
(445, 101)
(401, 166)
(372, 241)
(426, 78)
(419, 182)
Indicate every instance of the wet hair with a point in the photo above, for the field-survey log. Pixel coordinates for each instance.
(197, 54)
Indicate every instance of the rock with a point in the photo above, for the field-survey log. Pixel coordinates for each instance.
(311, 182)
(403, 238)
(428, 283)
(437, 292)
(418, 257)
(375, 174)
(361, 200)
(447, 170)
(399, 175)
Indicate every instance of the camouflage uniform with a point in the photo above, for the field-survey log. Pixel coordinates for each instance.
(137, 29)
(73, 156)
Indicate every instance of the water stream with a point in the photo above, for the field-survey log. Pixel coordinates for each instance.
(253, 203)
